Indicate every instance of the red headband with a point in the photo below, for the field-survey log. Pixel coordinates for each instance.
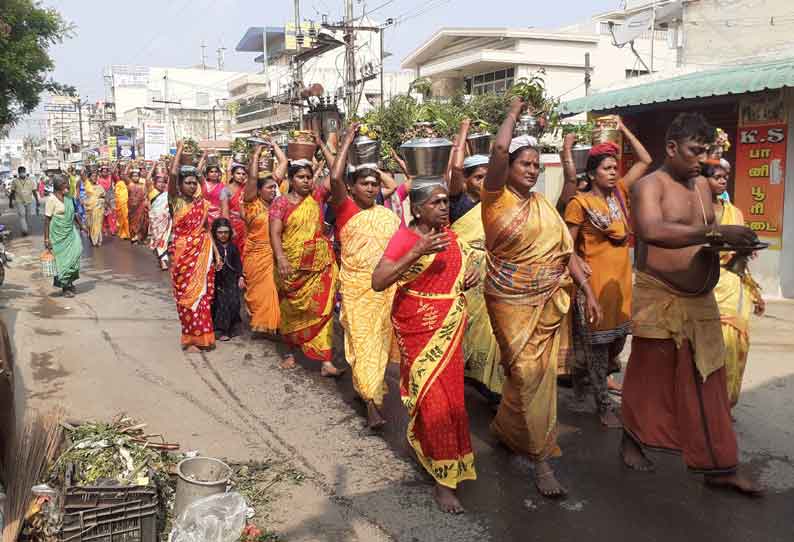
(606, 148)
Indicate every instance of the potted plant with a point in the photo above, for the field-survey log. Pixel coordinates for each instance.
(480, 136)
(240, 150)
(301, 145)
(584, 138)
(190, 152)
(540, 108)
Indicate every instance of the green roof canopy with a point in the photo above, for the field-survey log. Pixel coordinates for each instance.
(736, 79)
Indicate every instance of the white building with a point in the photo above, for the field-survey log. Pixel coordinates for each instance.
(479, 60)
(264, 98)
(69, 129)
(12, 154)
(184, 100)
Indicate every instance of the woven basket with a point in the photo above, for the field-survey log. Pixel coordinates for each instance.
(48, 268)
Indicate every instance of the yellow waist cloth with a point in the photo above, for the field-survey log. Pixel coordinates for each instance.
(661, 312)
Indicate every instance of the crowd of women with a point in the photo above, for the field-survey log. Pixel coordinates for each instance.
(486, 281)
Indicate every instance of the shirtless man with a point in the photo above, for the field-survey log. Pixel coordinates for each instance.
(674, 393)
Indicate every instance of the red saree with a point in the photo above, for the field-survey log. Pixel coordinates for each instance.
(236, 218)
(213, 197)
(429, 317)
(138, 206)
(192, 273)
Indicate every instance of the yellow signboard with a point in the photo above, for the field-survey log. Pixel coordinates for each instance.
(291, 44)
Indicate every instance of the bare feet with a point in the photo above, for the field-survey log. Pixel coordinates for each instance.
(288, 362)
(329, 370)
(610, 419)
(447, 500)
(374, 418)
(738, 481)
(547, 483)
(633, 456)
(193, 349)
(224, 338)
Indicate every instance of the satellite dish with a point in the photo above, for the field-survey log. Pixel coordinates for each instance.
(633, 27)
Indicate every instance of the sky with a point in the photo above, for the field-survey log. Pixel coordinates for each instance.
(171, 32)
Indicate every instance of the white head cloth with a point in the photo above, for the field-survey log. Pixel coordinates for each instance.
(475, 160)
(522, 141)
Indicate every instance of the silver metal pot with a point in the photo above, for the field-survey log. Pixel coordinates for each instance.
(527, 125)
(580, 154)
(427, 156)
(480, 143)
(364, 151)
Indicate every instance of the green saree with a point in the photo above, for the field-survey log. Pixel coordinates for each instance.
(67, 247)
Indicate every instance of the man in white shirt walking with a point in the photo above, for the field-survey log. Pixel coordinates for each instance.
(25, 195)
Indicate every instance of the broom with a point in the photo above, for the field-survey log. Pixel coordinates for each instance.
(32, 450)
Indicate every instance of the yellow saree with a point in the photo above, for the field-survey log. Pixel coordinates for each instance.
(366, 314)
(527, 294)
(307, 296)
(94, 211)
(480, 349)
(735, 296)
(122, 212)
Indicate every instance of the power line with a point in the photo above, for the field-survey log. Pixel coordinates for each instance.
(373, 10)
(412, 14)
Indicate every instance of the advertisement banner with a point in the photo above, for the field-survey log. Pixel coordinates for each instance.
(154, 145)
(112, 150)
(760, 179)
(126, 148)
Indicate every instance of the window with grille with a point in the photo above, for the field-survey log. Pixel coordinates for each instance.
(492, 82)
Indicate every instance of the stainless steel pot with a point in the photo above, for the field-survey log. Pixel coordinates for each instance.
(480, 143)
(426, 157)
(527, 125)
(580, 154)
(364, 151)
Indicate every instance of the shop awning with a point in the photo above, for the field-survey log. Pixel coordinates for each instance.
(736, 79)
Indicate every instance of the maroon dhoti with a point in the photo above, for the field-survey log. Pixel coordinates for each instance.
(667, 405)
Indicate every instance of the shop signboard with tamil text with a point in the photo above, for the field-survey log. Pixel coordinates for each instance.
(760, 179)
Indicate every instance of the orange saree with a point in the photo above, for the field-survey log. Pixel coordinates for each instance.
(261, 296)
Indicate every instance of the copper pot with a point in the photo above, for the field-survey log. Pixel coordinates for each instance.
(299, 150)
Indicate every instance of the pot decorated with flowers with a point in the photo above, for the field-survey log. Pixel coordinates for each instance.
(366, 146)
(301, 145)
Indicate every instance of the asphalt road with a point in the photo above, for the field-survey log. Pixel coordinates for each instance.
(114, 348)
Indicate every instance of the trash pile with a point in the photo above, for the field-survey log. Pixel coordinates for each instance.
(110, 482)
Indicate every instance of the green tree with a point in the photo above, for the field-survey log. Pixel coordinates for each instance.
(27, 31)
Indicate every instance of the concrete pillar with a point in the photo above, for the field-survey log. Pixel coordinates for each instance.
(446, 86)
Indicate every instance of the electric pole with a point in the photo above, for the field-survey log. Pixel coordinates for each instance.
(350, 60)
(587, 74)
(220, 58)
(298, 43)
(80, 121)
